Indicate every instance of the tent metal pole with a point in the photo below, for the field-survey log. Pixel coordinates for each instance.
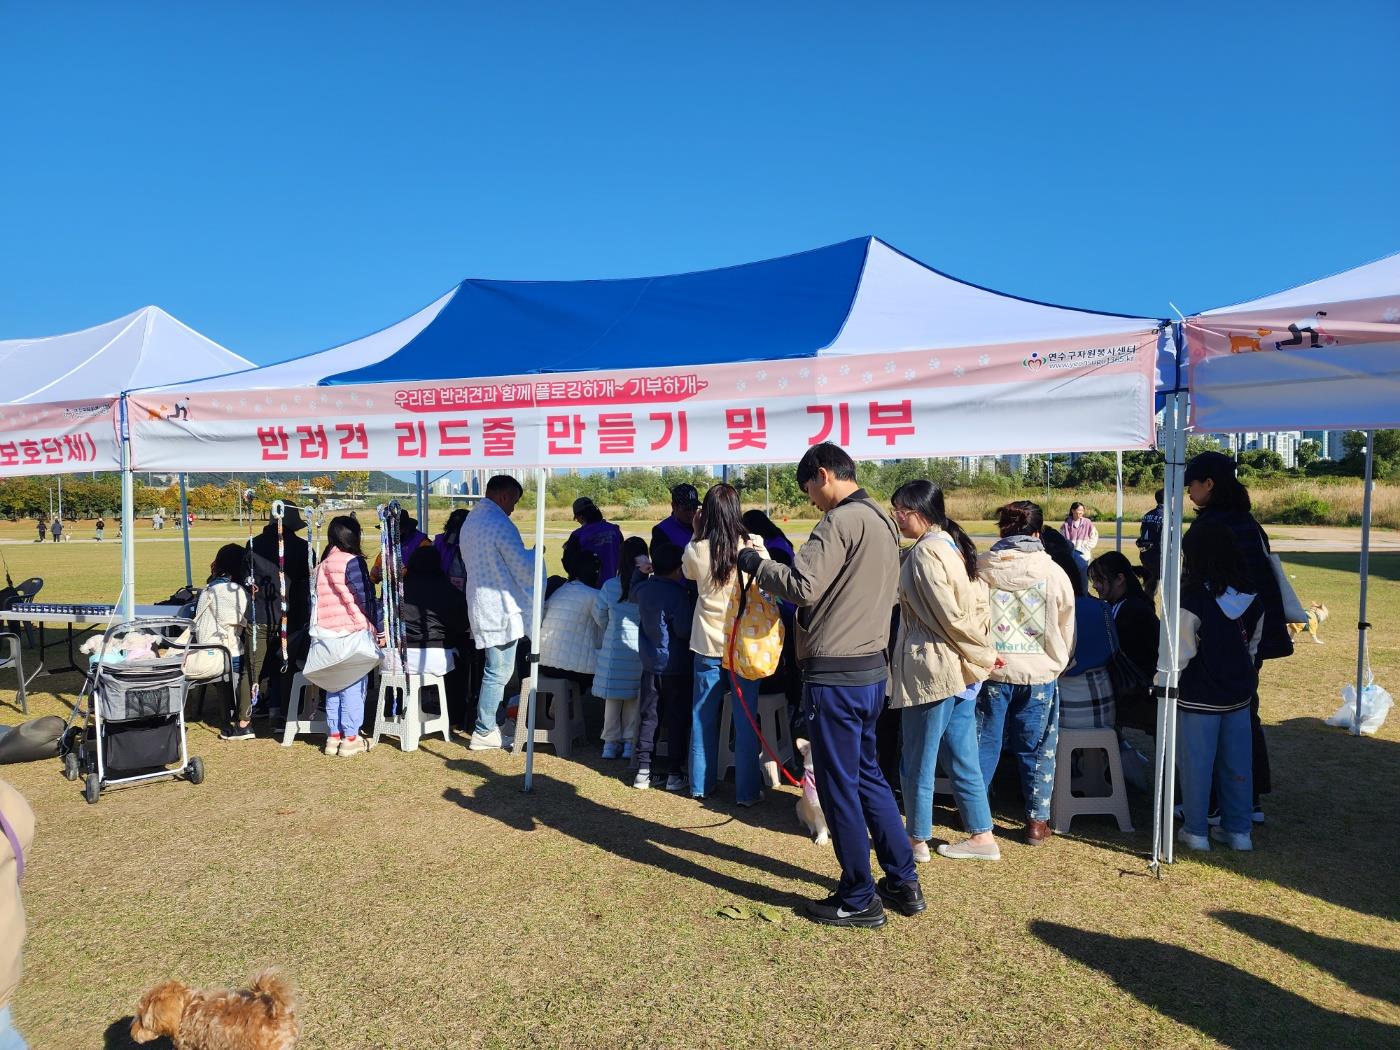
(1164, 781)
(1361, 625)
(185, 524)
(536, 617)
(1118, 507)
(128, 591)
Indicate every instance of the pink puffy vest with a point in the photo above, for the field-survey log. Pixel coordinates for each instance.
(336, 608)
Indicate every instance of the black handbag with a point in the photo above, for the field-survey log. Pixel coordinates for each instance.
(1126, 676)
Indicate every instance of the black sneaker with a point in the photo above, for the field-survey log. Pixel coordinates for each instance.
(907, 898)
(830, 913)
(237, 733)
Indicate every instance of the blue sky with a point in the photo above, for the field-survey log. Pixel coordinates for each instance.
(287, 177)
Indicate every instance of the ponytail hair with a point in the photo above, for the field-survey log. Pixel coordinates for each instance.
(1020, 518)
(925, 499)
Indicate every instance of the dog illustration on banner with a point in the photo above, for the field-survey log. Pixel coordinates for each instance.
(1244, 344)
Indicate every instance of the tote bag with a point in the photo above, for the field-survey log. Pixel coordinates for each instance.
(337, 660)
(754, 630)
(1293, 611)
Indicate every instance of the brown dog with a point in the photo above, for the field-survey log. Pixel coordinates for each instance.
(259, 1017)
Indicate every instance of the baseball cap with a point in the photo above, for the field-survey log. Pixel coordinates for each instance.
(685, 495)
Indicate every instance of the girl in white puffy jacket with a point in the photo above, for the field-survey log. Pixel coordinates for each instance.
(618, 679)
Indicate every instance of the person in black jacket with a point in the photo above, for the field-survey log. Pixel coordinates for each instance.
(1220, 497)
(434, 616)
(1135, 622)
(274, 684)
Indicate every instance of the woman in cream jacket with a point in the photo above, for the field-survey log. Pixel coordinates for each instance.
(1033, 633)
(942, 656)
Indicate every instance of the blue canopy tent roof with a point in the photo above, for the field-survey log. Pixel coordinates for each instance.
(857, 296)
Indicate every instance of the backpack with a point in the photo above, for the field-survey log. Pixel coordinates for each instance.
(753, 631)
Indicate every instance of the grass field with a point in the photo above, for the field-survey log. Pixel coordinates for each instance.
(420, 900)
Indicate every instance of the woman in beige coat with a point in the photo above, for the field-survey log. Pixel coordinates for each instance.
(942, 656)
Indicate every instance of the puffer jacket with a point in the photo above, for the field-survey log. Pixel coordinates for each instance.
(944, 641)
(1032, 613)
(619, 673)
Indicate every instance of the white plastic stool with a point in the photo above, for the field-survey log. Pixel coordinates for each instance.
(410, 726)
(773, 722)
(559, 721)
(306, 698)
(1064, 805)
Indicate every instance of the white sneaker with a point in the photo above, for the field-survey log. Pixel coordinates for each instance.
(1241, 842)
(642, 780)
(485, 741)
(1190, 841)
(676, 782)
(612, 748)
(921, 853)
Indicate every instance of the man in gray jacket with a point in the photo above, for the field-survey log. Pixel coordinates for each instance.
(843, 582)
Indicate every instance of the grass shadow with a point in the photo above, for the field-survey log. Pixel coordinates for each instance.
(558, 805)
(1334, 797)
(1366, 968)
(1222, 1002)
(1383, 565)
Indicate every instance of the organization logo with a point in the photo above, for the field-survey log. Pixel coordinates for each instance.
(1034, 363)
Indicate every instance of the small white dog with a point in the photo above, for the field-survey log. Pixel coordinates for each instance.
(809, 807)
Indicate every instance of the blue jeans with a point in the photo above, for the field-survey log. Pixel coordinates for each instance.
(1029, 715)
(10, 1039)
(345, 710)
(500, 665)
(857, 802)
(1221, 746)
(711, 681)
(948, 730)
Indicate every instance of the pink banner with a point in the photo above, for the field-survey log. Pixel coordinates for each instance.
(1050, 396)
(58, 438)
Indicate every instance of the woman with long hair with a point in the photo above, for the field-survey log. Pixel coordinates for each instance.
(1220, 630)
(711, 560)
(942, 656)
(345, 603)
(1032, 603)
(1220, 497)
(618, 678)
(1135, 623)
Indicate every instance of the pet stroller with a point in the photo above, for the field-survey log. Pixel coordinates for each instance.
(129, 723)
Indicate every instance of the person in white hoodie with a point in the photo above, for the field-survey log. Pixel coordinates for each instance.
(1033, 633)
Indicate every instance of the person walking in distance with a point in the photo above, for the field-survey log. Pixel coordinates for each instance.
(500, 587)
(1149, 545)
(843, 583)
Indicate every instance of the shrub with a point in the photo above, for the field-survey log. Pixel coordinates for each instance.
(1303, 509)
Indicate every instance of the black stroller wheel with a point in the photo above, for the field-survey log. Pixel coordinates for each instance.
(195, 770)
(70, 766)
(92, 789)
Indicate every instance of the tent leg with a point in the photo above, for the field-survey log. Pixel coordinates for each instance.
(185, 524)
(423, 501)
(127, 598)
(1173, 485)
(1118, 508)
(1361, 625)
(536, 617)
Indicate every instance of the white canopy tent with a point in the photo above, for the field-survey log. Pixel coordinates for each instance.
(1322, 356)
(63, 409)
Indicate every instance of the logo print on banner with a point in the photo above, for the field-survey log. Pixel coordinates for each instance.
(1034, 363)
